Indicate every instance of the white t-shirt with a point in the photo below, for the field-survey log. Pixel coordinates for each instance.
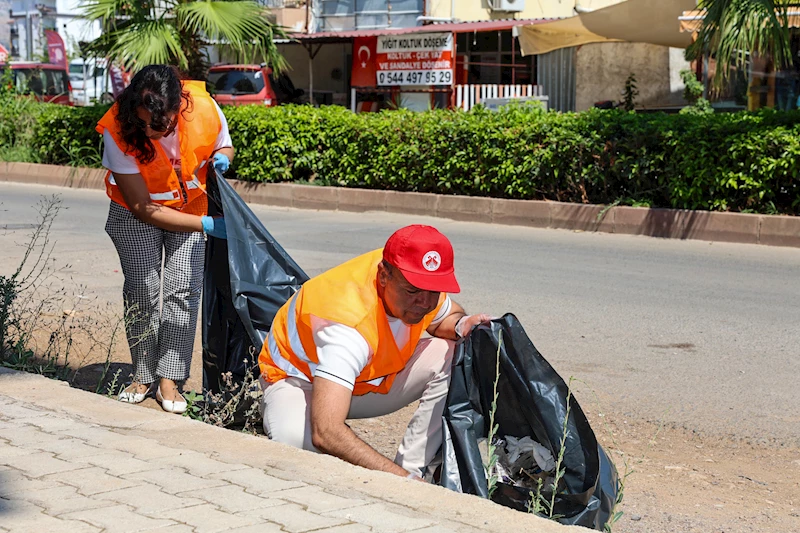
(118, 162)
(343, 352)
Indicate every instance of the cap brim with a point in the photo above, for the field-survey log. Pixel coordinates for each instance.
(433, 282)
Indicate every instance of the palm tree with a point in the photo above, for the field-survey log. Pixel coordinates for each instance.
(136, 33)
(732, 29)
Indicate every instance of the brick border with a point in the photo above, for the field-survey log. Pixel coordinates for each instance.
(773, 230)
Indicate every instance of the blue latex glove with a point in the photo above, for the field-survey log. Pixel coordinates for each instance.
(214, 226)
(221, 162)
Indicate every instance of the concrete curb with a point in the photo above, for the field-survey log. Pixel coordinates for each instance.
(773, 230)
(453, 511)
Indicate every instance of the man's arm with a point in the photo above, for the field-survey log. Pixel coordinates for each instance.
(449, 327)
(330, 403)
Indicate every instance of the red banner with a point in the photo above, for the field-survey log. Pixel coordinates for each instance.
(119, 79)
(55, 48)
(3, 54)
(363, 73)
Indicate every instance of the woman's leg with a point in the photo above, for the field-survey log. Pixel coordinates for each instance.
(183, 283)
(139, 246)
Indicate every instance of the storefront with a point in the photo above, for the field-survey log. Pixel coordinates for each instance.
(434, 66)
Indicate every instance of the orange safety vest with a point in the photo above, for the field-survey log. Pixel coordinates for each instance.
(348, 295)
(198, 131)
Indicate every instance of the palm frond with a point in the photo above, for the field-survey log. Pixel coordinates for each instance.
(116, 10)
(142, 32)
(103, 10)
(236, 22)
(147, 43)
(242, 25)
(733, 29)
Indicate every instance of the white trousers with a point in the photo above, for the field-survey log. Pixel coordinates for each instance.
(286, 405)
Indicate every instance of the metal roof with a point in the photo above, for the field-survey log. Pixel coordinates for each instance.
(455, 27)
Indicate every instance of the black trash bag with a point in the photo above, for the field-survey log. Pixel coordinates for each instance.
(248, 277)
(531, 402)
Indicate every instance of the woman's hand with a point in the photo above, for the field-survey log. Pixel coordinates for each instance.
(215, 227)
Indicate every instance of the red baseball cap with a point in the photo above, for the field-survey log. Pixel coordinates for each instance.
(424, 256)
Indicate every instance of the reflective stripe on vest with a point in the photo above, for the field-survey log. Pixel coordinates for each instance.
(161, 196)
(297, 347)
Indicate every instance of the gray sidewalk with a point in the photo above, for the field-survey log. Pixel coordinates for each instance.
(72, 461)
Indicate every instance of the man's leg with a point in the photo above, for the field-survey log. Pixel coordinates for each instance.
(286, 409)
(426, 378)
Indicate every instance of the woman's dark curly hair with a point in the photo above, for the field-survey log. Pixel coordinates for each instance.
(157, 88)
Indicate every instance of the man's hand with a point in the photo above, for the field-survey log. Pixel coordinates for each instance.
(467, 322)
(330, 403)
(457, 323)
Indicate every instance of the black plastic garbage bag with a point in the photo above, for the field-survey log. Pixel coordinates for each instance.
(248, 277)
(532, 401)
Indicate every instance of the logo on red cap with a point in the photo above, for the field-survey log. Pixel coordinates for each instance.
(432, 261)
(424, 256)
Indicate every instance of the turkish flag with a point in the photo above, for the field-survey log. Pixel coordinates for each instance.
(3, 54)
(363, 74)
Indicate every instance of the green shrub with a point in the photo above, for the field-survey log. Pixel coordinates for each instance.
(17, 122)
(738, 162)
(724, 161)
(66, 135)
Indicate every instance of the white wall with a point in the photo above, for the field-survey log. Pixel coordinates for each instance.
(602, 68)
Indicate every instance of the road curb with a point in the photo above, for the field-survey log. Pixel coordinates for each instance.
(772, 230)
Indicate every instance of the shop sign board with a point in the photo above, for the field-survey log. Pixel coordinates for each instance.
(405, 59)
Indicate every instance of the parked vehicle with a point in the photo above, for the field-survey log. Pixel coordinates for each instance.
(251, 84)
(95, 88)
(44, 81)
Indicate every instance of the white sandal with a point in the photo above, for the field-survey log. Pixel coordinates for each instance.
(171, 406)
(133, 396)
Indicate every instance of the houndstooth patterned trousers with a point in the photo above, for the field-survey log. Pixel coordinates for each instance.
(161, 338)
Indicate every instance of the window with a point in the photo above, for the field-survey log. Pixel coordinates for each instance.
(494, 57)
(235, 82)
(41, 81)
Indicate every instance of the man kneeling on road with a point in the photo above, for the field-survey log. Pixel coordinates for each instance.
(348, 345)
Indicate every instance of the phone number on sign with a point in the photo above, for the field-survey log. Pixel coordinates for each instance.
(415, 77)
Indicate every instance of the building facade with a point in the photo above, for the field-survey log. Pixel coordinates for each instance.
(29, 19)
(486, 57)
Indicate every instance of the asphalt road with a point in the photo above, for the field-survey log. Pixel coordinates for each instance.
(688, 333)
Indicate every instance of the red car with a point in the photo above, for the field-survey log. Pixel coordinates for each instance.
(251, 84)
(44, 81)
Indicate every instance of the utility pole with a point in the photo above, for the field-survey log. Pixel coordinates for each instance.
(28, 33)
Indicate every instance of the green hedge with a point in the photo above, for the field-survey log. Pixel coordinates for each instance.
(737, 162)
(66, 135)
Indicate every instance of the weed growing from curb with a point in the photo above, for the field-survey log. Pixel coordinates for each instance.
(114, 387)
(235, 403)
(539, 504)
(491, 478)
